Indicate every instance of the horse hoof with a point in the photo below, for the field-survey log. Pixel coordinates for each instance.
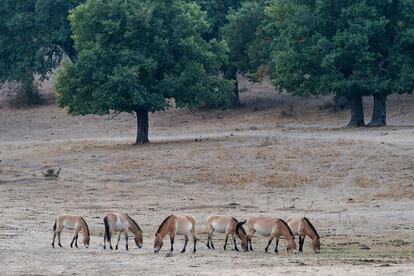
(116, 247)
(60, 245)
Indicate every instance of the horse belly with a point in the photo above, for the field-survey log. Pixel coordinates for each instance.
(263, 231)
(184, 229)
(119, 225)
(219, 227)
(69, 225)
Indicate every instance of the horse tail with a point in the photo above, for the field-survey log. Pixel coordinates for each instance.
(240, 225)
(54, 225)
(107, 234)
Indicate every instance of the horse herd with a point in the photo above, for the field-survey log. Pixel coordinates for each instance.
(184, 225)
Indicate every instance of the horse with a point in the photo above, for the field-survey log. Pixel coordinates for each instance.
(227, 225)
(121, 223)
(76, 223)
(269, 227)
(302, 227)
(173, 225)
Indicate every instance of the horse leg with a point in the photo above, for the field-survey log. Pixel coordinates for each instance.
(235, 243)
(76, 235)
(76, 241)
(117, 242)
(225, 241)
(208, 241)
(269, 243)
(59, 231)
(110, 242)
(172, 236)
(249, 239)
(210, 231)
(277, 244)
(301, 242)
(185, 243)
(126, 240)
(54, 237)
(73, 238)
(195, 242)
(105, 239)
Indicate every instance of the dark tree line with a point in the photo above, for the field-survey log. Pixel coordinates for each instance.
(136, 55)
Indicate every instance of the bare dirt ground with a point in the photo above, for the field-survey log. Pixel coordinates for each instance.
(356, 185)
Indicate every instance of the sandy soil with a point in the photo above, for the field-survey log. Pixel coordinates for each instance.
(356, 185)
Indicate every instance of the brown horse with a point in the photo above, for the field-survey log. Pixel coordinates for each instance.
(302, 227)
(227, 225)
(269, 227)
(121, 223)
(176, 225)
(76, 223)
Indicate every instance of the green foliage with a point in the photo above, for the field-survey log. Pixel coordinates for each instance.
(51, 173)
(363, 47)
(217, 11)
(133, 55)
(248, 41)
(33, 37)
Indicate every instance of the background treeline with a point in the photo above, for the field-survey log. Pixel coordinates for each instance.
(136, 55)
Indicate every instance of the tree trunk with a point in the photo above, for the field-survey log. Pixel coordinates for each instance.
(231, 74)
(29, 94)
(357, 111)
(379, 116)
(340, 103)
(142, 126)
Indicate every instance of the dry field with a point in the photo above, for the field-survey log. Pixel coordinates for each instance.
(356, 185)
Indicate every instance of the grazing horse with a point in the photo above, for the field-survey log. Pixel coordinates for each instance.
(76, 223)
(121, 223)
(227, 225)
(302, 227)
(176, 225)
(269, 227)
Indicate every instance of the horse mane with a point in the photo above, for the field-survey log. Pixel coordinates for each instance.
(311, 226)
(134, 222)
(290, 230)
(86, 226)
(162, 223)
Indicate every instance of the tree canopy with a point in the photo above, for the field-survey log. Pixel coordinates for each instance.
(135, 55)
(246, 37)
(34, 35)
(351, 47)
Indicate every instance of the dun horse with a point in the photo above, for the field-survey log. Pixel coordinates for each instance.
(121, 223)
(76, 223)
(269, 227)
(176, 225)
(302, 227)
(228, 225)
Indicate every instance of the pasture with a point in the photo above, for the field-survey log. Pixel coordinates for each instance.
(356, 185)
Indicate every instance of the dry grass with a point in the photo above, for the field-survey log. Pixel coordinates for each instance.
(285, 180)
(365, 182)
(398, 192)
